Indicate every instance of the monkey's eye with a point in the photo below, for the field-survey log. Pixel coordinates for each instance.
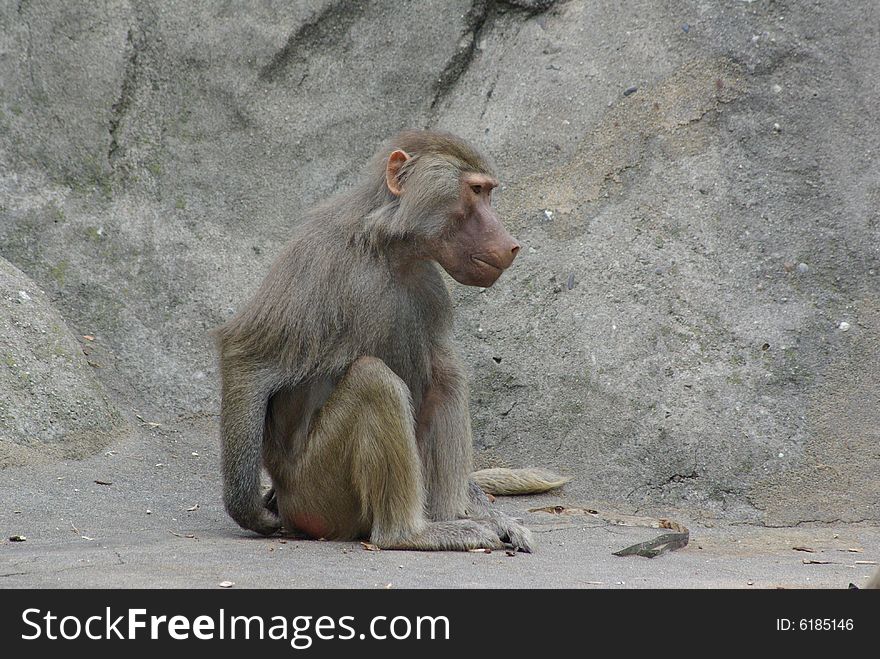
(478, 189)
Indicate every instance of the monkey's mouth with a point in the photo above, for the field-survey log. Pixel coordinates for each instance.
(484, 261)
(486, 270)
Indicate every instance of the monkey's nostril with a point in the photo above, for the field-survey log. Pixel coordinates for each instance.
(514, 250)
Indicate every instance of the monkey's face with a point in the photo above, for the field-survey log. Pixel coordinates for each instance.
(477, 248)
(455, 220)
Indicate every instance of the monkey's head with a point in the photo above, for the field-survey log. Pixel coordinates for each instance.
(444, 190)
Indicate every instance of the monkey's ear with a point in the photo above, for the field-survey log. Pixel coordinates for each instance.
(395, 162)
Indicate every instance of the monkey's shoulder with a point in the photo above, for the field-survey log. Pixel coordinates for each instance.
(317, 262)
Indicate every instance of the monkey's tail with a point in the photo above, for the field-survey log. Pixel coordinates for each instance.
(532, 480)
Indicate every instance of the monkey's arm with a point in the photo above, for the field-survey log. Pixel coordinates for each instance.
(445, 441)
(242, 421)
(443, 435)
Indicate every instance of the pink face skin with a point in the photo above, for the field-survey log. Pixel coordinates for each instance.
(480, 249)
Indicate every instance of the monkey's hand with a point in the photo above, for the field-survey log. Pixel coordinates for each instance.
(265, 523)
(270, 501)
(267, 520)
(263, 518)
(510, 530)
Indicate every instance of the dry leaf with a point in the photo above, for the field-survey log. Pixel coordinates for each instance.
(811, 561)
(226, 584)
(369, 546)
(650, 549)
(17, 538)
(806, 549)
(659, 545)
(192, 508)
(865, 562)
(480, 550)
(103, 482)
(88, 337)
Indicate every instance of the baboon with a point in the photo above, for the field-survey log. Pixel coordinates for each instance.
(339, 376)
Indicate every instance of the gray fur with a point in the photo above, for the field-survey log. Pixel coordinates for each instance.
(357, 280)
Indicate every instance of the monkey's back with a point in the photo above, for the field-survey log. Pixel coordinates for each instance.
(330, 298)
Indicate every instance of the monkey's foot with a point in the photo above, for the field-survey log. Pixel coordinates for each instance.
(518, 536)
(458, 535)
(511, 531)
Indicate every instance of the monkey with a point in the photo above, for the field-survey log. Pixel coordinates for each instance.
(340, 378)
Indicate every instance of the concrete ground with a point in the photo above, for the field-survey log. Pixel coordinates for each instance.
(159, 523)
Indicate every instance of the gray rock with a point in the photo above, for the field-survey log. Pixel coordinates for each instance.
(51, 403)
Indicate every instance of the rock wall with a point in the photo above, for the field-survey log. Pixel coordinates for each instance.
(694, 317)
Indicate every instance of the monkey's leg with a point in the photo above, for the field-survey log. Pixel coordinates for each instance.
(446, 444)
(360, 472)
